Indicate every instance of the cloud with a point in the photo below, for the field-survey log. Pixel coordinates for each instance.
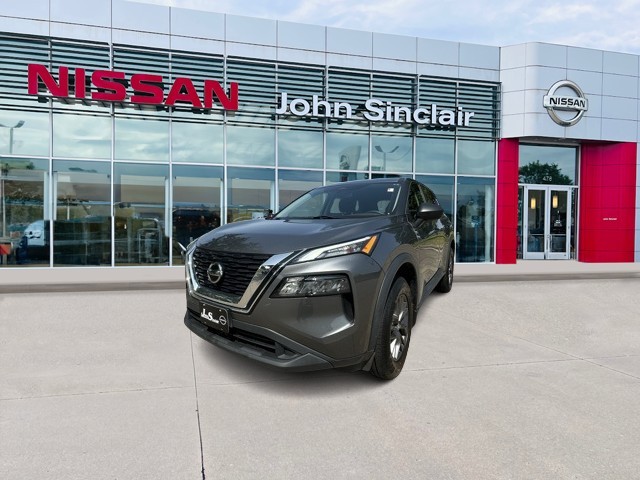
(587, 23)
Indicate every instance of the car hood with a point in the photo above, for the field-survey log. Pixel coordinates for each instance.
(284, 236)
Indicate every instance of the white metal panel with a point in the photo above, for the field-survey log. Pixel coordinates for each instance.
(595, 106)
(301, 56)
(620, 85)
(513, 102)
(619, 130)
(349, 42)
(140, 17)
(514, 56)
(299, 36)
(251, 51)
(195, 23)
(95, 12)
(397, 66)
(585, 59)
(349, 61)
(27, 27)
(546, 54)
(589, 82)
(541, 125)
(130, 37)
(438, 52)
(620, 63)
(395, 47)
(32, 9)
(448, 71)
(198, 45)
(258, 31)
(512, 126)
(542, 78)
(479, 74)
(588, 128)
(80, 32)
(513, 80)
(479, 56)
(533, 101)
(619, 108)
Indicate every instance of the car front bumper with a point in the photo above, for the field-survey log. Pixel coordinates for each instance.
(300, 333)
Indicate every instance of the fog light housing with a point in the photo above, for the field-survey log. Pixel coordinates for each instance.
(313, 286)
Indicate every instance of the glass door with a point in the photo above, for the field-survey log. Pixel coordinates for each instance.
(547, 223)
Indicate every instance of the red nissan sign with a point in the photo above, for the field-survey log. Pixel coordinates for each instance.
(111, 86)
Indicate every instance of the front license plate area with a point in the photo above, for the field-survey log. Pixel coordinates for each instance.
(214, 317)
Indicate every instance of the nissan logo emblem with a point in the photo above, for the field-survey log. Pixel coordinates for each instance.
(556, 105)
(215, 272)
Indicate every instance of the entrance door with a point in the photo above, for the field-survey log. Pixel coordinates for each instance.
(547, 223)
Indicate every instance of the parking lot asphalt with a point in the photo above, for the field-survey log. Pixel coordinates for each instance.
(504, 380)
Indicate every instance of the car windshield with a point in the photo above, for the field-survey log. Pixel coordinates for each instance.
(349, 199)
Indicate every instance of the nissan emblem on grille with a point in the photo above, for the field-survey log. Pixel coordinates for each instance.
(215, 272)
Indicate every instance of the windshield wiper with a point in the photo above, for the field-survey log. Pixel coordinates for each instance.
(323, 217)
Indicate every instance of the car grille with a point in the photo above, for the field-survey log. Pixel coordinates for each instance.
(239, 269)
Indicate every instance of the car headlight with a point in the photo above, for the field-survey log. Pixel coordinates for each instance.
(362, 245)
(313, 286)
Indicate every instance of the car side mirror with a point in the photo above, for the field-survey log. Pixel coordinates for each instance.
(430, 211)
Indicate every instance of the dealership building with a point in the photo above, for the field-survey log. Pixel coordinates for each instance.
(127, 129)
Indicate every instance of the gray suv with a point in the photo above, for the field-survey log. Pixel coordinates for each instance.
(333, 280)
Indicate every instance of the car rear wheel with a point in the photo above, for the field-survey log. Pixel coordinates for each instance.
(446, 282)
(395, 332)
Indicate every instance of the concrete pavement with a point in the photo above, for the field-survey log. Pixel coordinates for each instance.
(504, 380)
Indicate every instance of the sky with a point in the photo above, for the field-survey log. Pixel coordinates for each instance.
(600, 24)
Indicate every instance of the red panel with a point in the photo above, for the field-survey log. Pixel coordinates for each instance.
(507, 201)
(607, 202)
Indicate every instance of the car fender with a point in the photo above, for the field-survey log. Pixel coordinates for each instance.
(385, 288)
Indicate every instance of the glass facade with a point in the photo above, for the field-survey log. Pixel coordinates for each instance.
(87, 182)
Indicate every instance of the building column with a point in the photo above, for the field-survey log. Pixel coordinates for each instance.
(507, 201)
(607, 208)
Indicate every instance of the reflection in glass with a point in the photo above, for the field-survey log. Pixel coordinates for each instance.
(475, 219)
(196, 204)
(542, 164)
(476, 157)
(435, 155)
(346, 151)
(250, 146)
(391, 154)
(300, 148)
(81, 136)
(142, 139)
(293, 183)
(337, 177)
(140, 203)
(24, 227)
(536, 221)
(196, 142)
(82, 217)
(250, 193)
(24, 133)
(442, 186)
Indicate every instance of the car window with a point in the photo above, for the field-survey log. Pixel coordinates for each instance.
(429, 196)
(414, 200)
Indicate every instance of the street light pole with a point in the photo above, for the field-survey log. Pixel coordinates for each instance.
(384, 155)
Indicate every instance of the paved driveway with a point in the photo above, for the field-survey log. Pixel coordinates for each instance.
(521, 380)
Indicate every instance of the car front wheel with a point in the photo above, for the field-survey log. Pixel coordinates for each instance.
(395, 332)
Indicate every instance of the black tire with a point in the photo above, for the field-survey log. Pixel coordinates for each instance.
(445, 284)
(395, 332)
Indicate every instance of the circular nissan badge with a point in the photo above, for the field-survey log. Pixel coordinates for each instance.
(564, 109)
(215, 272)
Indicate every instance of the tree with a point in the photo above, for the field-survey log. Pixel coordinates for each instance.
(543, 173)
